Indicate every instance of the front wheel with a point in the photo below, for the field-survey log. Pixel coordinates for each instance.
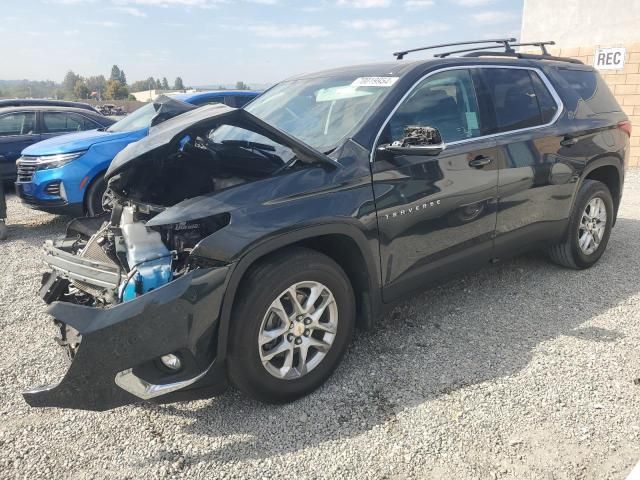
(94, 197)
(589, 227)
(291, 325)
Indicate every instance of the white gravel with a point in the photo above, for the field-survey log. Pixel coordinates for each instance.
(524, 370)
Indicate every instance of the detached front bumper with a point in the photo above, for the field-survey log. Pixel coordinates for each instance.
(117, 363)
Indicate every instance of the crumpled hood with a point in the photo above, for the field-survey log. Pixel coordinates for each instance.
(167, 134)
(73, 142)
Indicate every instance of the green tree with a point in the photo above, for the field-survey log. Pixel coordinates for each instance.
(178, 85)
(165, 83)
(69, 84)
(115, 73)
(123, 78)
(97, 84)
(81, 90)
(158, 84)
(116, 90)
(242, 86)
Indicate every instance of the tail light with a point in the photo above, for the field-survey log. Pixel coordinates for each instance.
(625, 126)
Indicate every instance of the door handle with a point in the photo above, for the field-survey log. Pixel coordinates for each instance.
(568, 141)
(480, 161)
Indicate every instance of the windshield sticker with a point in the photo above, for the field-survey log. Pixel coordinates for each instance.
(374, 81)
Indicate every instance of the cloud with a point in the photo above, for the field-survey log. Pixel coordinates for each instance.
(412, 32)
(70, 33)
(365, 3)
(473, 3)
(263, 2)
(104, 23)
(349, 45)
(364, 24)
(280, 46)
(136, 12)
(490, 18)
(418, 4)
(288, 31)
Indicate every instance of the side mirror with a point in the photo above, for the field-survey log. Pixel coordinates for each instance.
(416, 141)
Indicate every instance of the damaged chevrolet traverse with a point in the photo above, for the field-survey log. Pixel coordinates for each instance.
(244, 245)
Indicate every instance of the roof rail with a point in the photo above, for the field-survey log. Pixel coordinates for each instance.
(485, 51)
(524, 56)
(500, 41)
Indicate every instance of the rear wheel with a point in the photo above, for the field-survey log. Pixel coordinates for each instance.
(589, 228)
(291, 325)
(95, 192)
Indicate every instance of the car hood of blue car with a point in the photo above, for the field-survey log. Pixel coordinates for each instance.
(77, 142)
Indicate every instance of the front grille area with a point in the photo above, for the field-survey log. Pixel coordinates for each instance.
(53, 189)
(26, 167)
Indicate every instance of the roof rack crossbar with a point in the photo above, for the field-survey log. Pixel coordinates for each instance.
(541, 45)
(500, 41)
(491, 47)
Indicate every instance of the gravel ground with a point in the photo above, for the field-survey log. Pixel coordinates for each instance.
(524, 370)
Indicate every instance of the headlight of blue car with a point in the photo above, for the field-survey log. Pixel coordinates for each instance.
(44, 162)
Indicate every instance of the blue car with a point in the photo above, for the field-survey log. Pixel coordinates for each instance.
(65, 175)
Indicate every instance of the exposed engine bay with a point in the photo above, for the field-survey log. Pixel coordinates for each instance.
(122, 259)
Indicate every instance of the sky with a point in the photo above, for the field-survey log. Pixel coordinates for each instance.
(210, 42)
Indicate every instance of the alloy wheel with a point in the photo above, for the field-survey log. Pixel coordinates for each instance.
(592, 226)
(298, 330)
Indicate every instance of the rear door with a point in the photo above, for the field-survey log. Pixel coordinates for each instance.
(59, 123)
(535, 181)
(436, 214)
(18, 130)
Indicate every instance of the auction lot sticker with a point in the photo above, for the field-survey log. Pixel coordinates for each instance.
(374, 81)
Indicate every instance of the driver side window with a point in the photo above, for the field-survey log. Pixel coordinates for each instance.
(446, 101)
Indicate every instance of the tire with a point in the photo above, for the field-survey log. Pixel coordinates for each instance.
(265, 283)
(93, 197)
(569, 253)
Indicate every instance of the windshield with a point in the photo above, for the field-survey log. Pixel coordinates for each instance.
(138, 120)
(321, 112)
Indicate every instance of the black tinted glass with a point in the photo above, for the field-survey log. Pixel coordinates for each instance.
(591, 89)
(513, 97)
(547, 104)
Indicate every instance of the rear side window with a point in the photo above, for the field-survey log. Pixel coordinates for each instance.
(591, 89)
(23, 123)
(519, 98)
(60, 122)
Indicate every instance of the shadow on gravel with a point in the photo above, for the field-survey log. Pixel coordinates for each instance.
(474, 329)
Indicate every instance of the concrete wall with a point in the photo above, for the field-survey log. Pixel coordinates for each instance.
(575, 23)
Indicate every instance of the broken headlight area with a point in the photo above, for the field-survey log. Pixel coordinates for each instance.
(123, 258)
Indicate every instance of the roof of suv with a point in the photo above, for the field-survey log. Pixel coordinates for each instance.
(400, 68)
(20, 102)
(98, 117)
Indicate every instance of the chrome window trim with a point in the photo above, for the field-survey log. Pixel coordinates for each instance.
(540, 73)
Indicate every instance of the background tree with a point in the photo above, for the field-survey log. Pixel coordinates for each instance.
(123, 78)
(97, 84)
(242, 86)
(178, 85)
(81, 90)
(116, 90)
(69, 84)
(115, 73)
(158, 84)
(165, 83)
